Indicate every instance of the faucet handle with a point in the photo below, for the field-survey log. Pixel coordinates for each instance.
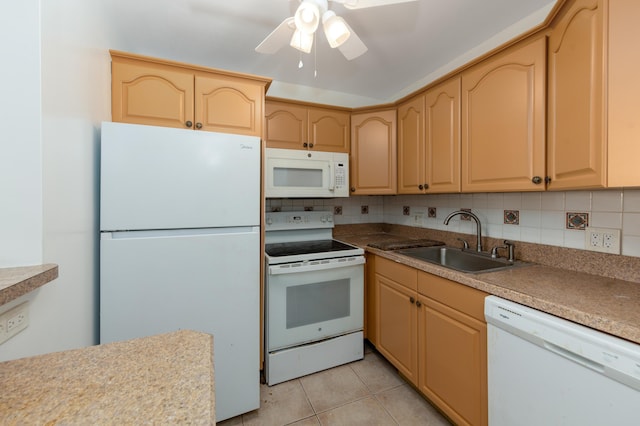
(511, 247)
(494, 251)
(465, 244)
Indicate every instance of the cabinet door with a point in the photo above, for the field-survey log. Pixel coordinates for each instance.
(286, 125)
(453, 361)
(576, 153)
(329, 130)
(397, 317)
(503, 121)
(442, 137)
(151, 95)
(228, 105)
(373, 153)
(411, 175)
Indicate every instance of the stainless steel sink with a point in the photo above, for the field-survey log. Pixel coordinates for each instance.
(458, 259)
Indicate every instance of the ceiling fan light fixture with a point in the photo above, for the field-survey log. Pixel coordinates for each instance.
(302, 41)
(335, 29)
(307, 17)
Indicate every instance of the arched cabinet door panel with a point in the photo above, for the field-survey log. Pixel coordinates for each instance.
(503, 120)
(153, 96)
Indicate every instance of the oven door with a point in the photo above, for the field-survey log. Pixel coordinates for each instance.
(312, 302)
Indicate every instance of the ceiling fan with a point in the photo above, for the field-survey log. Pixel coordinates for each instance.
(299, 30)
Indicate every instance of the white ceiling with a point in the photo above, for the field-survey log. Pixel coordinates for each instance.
(409, 44)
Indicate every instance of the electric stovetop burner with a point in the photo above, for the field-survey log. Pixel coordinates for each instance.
(305, 247)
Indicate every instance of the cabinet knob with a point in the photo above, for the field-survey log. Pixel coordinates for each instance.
(198, 125)
(412, 300)
(426, 186)
(537, 180)
(420, 187)
(353, 189)
(547, 180)
(311, 145)
(305, 145)
(188, 124)
(418, 303)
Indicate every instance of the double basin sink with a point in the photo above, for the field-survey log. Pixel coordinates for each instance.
(459, 259)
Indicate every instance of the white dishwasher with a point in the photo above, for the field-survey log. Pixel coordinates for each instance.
(544, 370)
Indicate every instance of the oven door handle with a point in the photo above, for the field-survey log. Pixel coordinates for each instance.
(315, 266)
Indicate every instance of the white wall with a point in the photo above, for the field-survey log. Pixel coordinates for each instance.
(75, 67)
(20, 148)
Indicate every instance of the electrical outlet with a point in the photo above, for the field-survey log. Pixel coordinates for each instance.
(417, 218)
(14, 321)
(603, 240)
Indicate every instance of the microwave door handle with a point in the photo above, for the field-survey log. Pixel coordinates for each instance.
(332, 177)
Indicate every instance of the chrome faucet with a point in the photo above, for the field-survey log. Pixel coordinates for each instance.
(478, 226)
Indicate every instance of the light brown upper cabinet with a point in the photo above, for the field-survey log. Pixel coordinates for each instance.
(594, 125)
(298, 126)
(411, 176)
(429, 141)
(503, 120)
(373, 153)
(442, 137)
(165, 93)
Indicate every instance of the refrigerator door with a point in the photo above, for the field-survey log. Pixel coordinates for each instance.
(163, 178)
(154, 282)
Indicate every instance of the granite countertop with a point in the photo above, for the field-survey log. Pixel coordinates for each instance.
(17, 281)
(607, 304)
(162, 379)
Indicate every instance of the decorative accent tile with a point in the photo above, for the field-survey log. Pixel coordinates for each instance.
(337, 210)
(512, 217)
(364, 209)
(406, 210)
(431, 211)
(308, 208)
(465, 216)
(577, 220)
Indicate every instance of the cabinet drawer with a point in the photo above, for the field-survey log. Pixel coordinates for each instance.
(397, 272)
(457, 296)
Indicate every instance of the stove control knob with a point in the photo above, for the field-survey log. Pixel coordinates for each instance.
(323, 219)
(269, 220)
(329, 219)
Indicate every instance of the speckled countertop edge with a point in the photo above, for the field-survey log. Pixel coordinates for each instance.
(161, 379)
(18, 281)
(602, 303)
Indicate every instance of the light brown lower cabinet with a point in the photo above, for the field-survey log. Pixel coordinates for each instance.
(452, 348)
(433, 331)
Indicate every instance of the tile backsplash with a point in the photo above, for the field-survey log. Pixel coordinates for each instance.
(542, 216)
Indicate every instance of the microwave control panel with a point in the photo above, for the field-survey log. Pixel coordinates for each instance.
(341, 175)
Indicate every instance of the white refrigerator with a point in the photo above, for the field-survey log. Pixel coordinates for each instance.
(180, 246)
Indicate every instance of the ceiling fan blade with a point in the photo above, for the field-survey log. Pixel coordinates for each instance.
(361, 4)
(353, 47)
(278, 37)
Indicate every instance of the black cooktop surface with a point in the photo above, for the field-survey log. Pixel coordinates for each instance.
(305, 247)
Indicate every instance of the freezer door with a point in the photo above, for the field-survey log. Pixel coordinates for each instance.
(163, 178)
(210, 282)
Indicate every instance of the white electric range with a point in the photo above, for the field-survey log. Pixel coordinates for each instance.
(314, 296)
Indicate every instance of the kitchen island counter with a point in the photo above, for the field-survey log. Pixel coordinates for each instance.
(18, 281)
(604, 303)
(161, 379)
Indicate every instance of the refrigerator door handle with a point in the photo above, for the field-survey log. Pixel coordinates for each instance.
(164, 233)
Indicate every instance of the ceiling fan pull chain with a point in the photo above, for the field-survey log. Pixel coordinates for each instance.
(315, 57)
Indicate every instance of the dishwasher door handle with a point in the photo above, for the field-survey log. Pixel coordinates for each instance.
(574, 357)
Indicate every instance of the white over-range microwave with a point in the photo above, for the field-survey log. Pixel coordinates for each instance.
(292, 173)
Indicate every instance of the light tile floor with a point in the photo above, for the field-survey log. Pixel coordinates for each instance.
(366, 392)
